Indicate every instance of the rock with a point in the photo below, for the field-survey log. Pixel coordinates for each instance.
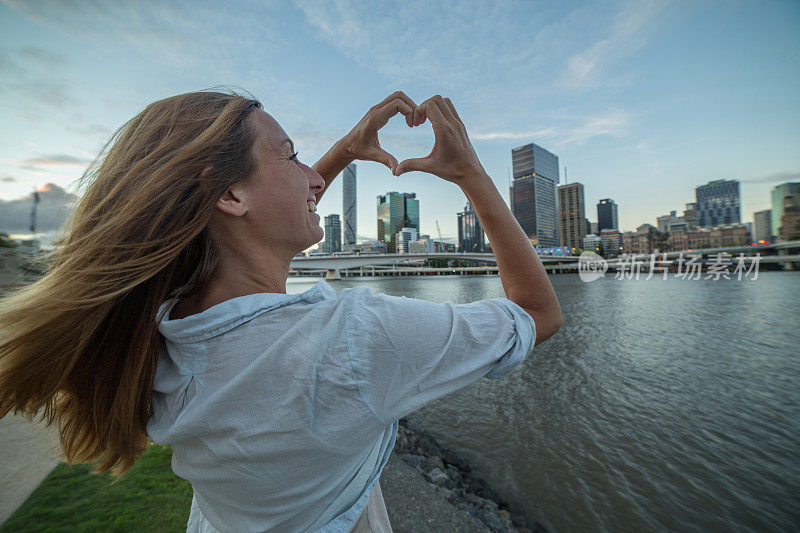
(504, 515)
(414, 460)
(433, 462)
(438, 477)
(491, 520)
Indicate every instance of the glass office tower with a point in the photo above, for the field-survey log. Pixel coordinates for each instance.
(349, 204)
(470, 233)
(718, 203)
(533, 193)
(395, 212)
(607, 215)
(333, 235)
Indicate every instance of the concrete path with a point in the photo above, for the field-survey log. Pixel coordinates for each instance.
(26, 457)
(414, 505)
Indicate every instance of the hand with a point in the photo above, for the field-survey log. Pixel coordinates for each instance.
(452, 157)
(362, 141)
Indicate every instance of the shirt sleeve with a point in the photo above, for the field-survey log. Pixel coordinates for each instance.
(407, 352)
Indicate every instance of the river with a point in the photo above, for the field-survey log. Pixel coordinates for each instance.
(660, 404)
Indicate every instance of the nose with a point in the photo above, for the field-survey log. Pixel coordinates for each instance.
(315, 182)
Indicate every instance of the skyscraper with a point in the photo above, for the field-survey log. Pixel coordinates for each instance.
(533, 193)
(470, 232)
(718, 203)
(762, 224)
(607, 216)
(333, 235)
(396, 211)
(572, 214)
(777, 195)
(349, 204)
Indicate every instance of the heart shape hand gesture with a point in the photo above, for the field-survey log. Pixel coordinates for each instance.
(452, 157)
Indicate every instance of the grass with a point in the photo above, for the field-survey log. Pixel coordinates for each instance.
(149, 497)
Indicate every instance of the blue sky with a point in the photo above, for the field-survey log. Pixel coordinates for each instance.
(642, 101)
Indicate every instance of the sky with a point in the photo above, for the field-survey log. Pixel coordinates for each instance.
(642, 101)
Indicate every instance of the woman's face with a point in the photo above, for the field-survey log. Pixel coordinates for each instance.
(277, 194)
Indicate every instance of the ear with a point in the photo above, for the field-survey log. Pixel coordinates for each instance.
(232, 201)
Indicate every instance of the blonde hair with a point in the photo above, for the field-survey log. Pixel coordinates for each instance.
(80, 345)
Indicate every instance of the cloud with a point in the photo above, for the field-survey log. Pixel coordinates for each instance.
(8, 179)
(55, 204)
(163, 31)
(405, 40)
(38, 78)
(509, 135)
(566, 129)
(47, 162)
(56, 159)
(777, 177)
(625, 35)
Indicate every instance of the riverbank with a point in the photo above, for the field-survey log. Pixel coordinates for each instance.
(450, 476)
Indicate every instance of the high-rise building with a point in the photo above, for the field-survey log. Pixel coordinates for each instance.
(349, 204)
(396, 211)
(333, 235)
(404, 238)
(470, 233)
(607, 215)
(718, 203)
(777, 195)
(762, 223)
(790, 221)
(533, 193)
(572, 214)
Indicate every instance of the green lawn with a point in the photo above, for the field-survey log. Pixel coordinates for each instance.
(149, 497)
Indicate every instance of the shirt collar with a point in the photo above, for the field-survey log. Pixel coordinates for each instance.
(226, 315)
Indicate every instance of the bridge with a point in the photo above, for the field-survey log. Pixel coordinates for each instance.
(333, 265)
(787, 253)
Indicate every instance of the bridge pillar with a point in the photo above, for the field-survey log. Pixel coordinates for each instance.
(788, 265)
(333, 274)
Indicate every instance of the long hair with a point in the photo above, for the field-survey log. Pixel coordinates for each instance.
(80, 345)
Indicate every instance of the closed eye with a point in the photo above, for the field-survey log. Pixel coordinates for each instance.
(294, 157)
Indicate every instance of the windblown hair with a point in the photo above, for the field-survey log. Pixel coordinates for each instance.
(80, 345)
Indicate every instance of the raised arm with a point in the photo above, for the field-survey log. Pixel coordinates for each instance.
(521, 271)
(362, 141)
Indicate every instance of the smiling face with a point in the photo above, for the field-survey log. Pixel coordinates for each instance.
(271, 206)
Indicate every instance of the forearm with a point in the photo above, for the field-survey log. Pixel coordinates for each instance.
(522, 274)
(331, 165)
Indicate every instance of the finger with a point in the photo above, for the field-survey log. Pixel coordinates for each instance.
(422, 164)
(394, 96)
(431, 110)
(382, 156)
(384, 113)
(453, 110)
(445, 109)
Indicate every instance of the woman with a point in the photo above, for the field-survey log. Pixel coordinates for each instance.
(164, 313)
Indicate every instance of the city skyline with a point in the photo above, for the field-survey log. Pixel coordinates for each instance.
(632, 113)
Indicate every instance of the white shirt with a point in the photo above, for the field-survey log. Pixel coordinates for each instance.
(282, 409)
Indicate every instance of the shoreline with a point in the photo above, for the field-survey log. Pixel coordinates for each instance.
(450, 476)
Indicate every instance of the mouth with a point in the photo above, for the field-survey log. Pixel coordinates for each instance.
(312, 206)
